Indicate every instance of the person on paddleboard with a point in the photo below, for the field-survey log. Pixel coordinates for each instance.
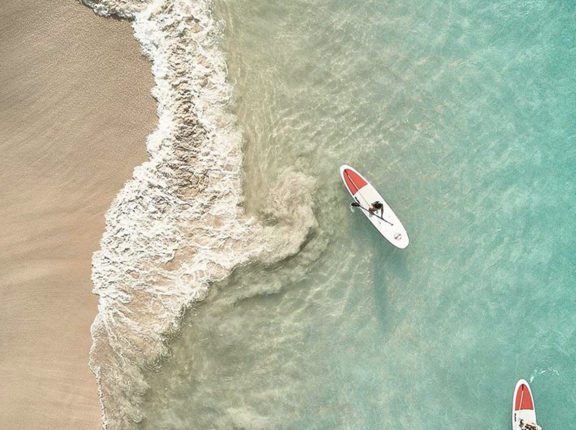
(376, 206)
(529, 426)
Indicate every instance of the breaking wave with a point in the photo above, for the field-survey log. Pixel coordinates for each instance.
(178, 225)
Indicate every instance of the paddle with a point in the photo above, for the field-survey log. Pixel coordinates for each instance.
(358, 205)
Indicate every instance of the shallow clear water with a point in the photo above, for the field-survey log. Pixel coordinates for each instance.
(462, 114)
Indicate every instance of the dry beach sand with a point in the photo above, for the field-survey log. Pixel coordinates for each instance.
(75, 110)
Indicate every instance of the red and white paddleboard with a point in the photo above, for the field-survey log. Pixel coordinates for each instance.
(385, 220)
(523, 412)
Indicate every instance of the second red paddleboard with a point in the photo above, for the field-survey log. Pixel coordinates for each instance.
(523, 411)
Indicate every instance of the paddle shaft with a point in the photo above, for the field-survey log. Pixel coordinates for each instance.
(373, 214)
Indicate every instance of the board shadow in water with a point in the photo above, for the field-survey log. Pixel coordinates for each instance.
(390, 272)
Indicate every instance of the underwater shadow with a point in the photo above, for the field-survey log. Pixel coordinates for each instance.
(389, 266)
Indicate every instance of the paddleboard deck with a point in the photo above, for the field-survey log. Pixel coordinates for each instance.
(522, 405)
(365, 195)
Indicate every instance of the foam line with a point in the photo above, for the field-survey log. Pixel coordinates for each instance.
(178, 225)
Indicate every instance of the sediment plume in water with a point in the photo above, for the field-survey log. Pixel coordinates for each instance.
(178, 225)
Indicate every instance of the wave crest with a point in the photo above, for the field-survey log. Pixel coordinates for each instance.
(178, 225)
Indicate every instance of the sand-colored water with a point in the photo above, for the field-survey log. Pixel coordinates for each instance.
(75, 110)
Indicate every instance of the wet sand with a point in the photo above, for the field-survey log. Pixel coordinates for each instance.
(75, 110)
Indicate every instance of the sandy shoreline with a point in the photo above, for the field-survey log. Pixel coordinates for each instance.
(75, 110)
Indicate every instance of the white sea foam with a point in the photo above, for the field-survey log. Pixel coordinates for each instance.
(178, 225)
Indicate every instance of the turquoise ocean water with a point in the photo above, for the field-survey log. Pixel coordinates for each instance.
(463, 114)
